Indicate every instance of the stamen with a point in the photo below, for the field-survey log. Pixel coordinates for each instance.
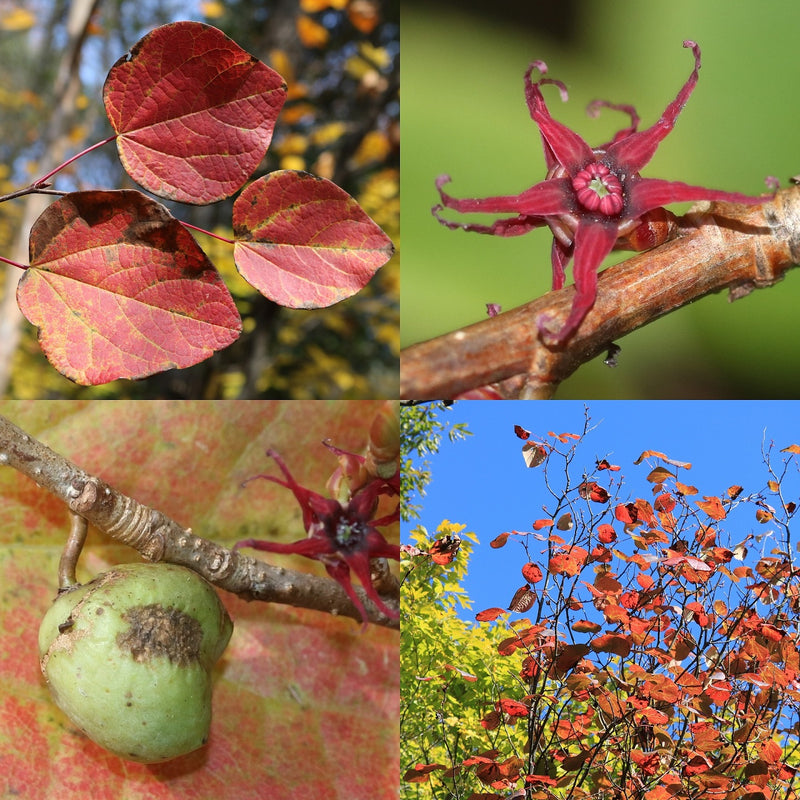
(598, 189)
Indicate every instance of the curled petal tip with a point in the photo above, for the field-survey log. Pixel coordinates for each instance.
(442, 180)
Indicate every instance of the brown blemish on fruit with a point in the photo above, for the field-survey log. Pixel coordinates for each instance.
(155, 631)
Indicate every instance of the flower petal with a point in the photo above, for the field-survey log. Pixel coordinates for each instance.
(593, 242)
(561, 145)
(646, 194)
(553, 196)
(633, 152)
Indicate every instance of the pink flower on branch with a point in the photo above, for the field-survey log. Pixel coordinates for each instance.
(593, 200)
(343, 536)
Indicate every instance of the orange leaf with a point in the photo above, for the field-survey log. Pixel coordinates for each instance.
(532, 572)
(543, 523)
(499, 541)
(712, 506)
(489, 614)
(612, 643)
(792, 448)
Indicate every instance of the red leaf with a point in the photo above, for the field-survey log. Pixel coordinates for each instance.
(542, 523)
(193, 111)
(606, 534)
(534, 453)
(657, 454)
(605, 465)
(303, 242)
(611, 643)
(523, 599)
(500, 540)
(513, 708)
(593, 491)
(419, 773)
(665, 503)
(120, 289)
(585, 626)
(521, 432)
(532, 572)
(489, 614)
(444, 549)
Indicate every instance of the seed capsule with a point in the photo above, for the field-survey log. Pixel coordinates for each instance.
(128, 658)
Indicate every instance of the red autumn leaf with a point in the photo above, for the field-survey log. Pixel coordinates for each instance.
(657, 454)
(533, 453)
(564, 437)
(193, 111)
(499, 541)
(513, 708)
(521, 432)
(532, 572)
(567, 563)
(542, 523)
(612, 643)
(762, 515)
(444, 549)
(603, 464)
(523, 599)
(585, 626)
(712, 506)
(626, 513)
(419, 773)
(120, 289)
(606, 534)
(489, 614)
(593, 491)
(664, 503)
(303, 242)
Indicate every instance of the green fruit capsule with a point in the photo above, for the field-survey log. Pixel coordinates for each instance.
(128, 658)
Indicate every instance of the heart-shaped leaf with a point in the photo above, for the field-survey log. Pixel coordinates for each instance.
(304, 242)
(120, 289)
(193, 111)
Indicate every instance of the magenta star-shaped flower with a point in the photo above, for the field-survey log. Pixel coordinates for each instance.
(342, 536)
(591, 199)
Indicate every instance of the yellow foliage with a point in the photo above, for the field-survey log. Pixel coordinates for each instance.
(211, 9)
(17, 19)
(327, 134)
(312, 6)
(311, 33)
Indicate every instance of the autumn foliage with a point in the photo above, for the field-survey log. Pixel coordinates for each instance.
(657, 652)
(117, 286)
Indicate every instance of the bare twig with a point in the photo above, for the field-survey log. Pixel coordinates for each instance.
(159, 538)
(722, 246)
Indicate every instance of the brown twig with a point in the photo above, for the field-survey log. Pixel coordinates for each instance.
(721, 246)
(159, 538)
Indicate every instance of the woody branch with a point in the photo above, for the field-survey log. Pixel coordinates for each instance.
(159, 538)
(720, 246)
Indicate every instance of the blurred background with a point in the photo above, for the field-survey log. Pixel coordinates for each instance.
(340, 59)
(464, 114)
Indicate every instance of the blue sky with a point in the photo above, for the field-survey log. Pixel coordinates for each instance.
(484, 483)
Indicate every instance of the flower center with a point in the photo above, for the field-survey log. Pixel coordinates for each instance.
(349, 532)
(598, 189)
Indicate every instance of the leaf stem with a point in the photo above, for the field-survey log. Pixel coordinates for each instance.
(43, 181)
(208, 233)
(9, 261)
